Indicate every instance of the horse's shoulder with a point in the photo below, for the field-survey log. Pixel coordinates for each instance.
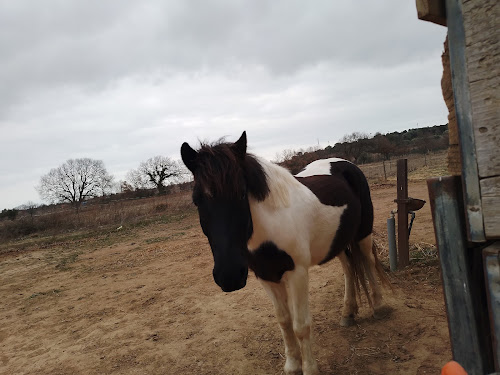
(269, 262)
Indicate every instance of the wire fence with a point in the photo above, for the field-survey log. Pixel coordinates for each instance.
(434, 163)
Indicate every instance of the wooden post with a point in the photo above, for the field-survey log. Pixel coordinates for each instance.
(402, 200)
(432, 11)
(491, 256)
(468, 328)
(463, 109)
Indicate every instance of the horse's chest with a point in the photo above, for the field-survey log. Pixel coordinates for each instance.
(304, 232)
(269, 263)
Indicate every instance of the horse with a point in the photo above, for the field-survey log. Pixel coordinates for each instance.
(258, 216)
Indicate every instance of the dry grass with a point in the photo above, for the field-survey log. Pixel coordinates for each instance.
(65, 224)
(420, 167)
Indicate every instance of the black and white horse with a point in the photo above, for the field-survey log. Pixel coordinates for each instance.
(257, 215)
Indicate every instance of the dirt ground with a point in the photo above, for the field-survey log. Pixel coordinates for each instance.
(141, 300)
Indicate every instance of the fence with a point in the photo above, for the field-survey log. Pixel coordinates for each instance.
(375, 171)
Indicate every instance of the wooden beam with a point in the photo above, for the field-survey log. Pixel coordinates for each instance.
(466, 333)
(491, 256)
(490, 198)
(482, 53)
(463, 109)
(432, 10)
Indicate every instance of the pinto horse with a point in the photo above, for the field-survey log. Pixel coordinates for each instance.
(257, 215)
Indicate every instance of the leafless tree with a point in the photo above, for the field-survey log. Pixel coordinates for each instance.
(75, 181)
(352, 145)
(284, 155)
(30, 208)
(157, 172)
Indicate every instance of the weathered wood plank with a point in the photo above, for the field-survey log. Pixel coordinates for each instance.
(466, 335)
(490, 187)
(432, 11)
(481, 67)
(463, 109)
(491, 211)
(482, 39)
(491, 261)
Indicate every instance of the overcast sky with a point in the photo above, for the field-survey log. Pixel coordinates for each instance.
(122, 81)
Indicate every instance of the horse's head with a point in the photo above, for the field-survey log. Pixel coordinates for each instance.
(224, 175)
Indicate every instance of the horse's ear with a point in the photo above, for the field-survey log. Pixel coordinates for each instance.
(189, 156)
(240, 146)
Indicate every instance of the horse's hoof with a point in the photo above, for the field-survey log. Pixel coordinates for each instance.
(293, 367)
(347, 321)
(382, 312)
(311, 370)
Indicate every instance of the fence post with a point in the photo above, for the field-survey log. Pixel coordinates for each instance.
(402, 201)
(463, 285)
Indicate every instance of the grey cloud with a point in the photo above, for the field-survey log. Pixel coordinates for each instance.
(61, 43)
(125, 80)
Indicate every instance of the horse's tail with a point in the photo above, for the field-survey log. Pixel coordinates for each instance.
(382, 275)
(357, 265)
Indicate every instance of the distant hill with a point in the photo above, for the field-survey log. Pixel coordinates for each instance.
(361, 148)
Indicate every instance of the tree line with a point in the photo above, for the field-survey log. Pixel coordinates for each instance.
(78, 180)
(361, 148)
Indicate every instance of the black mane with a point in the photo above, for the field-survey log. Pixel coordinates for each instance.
(220, 170)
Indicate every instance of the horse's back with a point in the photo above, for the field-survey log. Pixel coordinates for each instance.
(338, 182)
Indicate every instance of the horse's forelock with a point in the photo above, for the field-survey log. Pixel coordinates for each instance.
(219, 171)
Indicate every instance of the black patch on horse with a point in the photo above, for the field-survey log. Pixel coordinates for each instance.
(269, 263)
(358, 183)
(345, 185)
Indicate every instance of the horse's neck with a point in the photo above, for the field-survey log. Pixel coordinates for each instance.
(288, 206)
(280, 182)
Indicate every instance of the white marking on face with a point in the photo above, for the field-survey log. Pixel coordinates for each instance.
(319, 168)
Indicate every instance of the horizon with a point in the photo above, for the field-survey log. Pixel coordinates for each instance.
(117, 181)
(124, 81)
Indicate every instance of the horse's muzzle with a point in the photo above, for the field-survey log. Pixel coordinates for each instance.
(232, 280)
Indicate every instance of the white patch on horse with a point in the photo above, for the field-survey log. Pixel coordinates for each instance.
(319, 167)
(304, 229)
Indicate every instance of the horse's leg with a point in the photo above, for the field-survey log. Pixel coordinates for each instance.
(366, 246)
(278, 294)
(298, 287)
(350, 308)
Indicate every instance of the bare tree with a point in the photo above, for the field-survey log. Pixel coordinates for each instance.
(30, 208)
(284, 156)
(75, 181)
(157, 172)
(352, 145)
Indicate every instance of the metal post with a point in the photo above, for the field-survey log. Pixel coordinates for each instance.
(391, 237)
(402, 200)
